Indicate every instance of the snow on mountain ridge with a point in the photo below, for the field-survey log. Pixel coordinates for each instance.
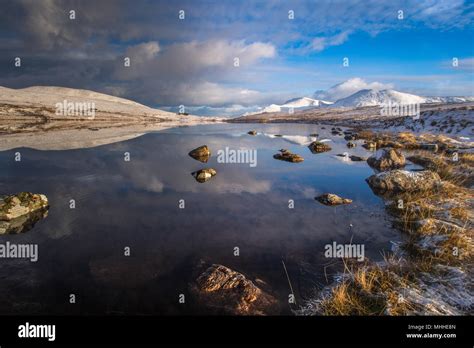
(370, 97)
(50, 96)
(301, 103)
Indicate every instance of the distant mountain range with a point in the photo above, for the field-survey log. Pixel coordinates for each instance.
(292, 104)
(371, 97)
(361, 98)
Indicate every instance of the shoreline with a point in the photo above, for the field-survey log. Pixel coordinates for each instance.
(89, 135)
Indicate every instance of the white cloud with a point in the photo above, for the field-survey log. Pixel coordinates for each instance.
(349, 87)
(191, 73)
(190, 59)
(320, 43)
(210, 93)
(144, 51)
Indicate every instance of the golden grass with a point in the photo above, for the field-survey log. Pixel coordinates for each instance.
(459, 172)
(467, 158)
(460, 213)
(371, 289)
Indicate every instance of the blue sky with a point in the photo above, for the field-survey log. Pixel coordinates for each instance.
(190, 61)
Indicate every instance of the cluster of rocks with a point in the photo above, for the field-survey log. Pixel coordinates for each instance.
(336, 131)
(20, 212)
(350, 137)
(202, 154)
(392, 181)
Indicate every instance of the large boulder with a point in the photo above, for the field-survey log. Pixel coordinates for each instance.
(201, 153)
(22, 223)
(14, 206)
(386, 159)
(230, 292)
(204, 175)
(332, 199)
(318, 147)
(20, 212)
(401, 181)
(286, 155)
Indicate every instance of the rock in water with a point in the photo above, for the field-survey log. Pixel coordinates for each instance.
(355, 158)
(204, 175)
(370, 145)
(230, 292)
(252, 132)
(318, 147)
(19, 213)
(387, 158)
(201, 153)
(350, 137)
(286, 155)
(332, 199)
(14, 206)
(399, 181)
(350, 144)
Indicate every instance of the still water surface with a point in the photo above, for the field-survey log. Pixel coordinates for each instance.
(135, 204)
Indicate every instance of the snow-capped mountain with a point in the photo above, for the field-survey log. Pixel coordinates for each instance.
(356, 92)
(371, 97)
(305, 102)
(292, 104)
(349, 87)
(449, 99)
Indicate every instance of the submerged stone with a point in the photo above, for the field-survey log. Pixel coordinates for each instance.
(230, 292)
(286, 155)
(201, 153)
(204, 175)
(332, 199)
(318, 147)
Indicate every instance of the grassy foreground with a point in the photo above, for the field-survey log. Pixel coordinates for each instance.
(430, 271)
